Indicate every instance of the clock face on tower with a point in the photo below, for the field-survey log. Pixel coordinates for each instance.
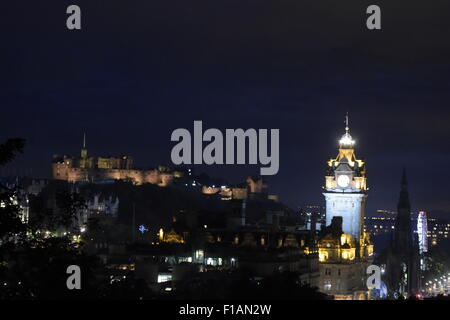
(343, 181)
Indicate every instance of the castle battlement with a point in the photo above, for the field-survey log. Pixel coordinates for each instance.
(90, 169)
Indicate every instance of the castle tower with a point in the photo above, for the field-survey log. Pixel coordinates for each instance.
(345, 187)
(84, 150)
(84, 162)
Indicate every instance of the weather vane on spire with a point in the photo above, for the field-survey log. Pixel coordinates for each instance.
(346, 140)
(346, 122)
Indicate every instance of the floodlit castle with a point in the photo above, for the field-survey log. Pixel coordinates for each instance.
(90, 169)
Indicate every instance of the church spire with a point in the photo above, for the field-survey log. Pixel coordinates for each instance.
(404, 180)
(403, 202)
(403, 234)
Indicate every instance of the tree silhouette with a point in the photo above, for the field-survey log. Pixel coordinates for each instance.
(10, 221)
(69, 203)
(32, 266)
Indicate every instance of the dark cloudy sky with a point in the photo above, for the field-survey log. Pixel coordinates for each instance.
(140, 69)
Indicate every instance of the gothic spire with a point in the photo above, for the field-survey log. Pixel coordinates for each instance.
(403, 202)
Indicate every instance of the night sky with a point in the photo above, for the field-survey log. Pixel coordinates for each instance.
(140, 69)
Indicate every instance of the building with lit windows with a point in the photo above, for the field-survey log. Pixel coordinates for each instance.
(438, 230)
(313, 214)
(343, 263)
(345, 188)
(345, 250)
(380, 222)
(90, 169)
(430, 231)
(19, 198)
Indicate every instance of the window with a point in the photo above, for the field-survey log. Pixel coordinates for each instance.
(199, 254)
(164, 277)
(327, 272)
(327, 285)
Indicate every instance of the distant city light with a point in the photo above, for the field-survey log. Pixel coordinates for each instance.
(142, 228)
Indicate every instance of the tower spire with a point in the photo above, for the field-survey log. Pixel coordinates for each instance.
(404, 182)
(84, 150)
(346, 141)
(403, 202)
(346, 122)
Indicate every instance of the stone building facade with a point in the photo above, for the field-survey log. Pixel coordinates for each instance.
(91, 169)
(343, 263)
(345, 250)
(402, 256)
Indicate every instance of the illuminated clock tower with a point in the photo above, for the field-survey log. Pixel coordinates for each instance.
(346, 188)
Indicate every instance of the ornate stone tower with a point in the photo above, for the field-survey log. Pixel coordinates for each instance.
(345, 250)
(403, 261)
(346, 188)
(403, 237)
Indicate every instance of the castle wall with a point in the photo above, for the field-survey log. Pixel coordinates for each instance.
(64, 171)
(77, 174)
(165, 179)
(239, 193)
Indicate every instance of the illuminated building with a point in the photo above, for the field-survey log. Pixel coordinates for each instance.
(381, 222)
(89, 169)
(19, 199)
(343, 263)
(100, 204)
(430, 231)
(311, 214)
(438, 230)
(254, 187)
(345, 187)
(345, 250)
(173, 237)
(422, 231)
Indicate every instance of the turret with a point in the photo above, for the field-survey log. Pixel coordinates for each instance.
(84, 150)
